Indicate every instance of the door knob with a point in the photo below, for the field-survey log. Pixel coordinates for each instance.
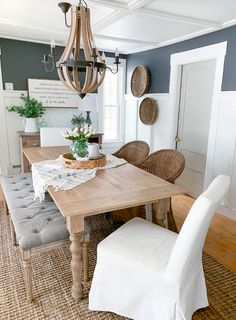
(177, 139)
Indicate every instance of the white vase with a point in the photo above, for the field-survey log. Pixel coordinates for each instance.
(30, 124)
(93, 150)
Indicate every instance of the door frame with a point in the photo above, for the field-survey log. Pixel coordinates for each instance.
(215, 52)
(4, 150)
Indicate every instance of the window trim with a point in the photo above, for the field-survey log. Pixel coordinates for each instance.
(109, 62)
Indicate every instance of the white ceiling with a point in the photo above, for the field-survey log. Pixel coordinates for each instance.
(130, 25)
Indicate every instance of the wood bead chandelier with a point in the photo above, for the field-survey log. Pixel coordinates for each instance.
(81, 68)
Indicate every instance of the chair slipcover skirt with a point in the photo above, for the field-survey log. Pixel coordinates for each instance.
(141, 291)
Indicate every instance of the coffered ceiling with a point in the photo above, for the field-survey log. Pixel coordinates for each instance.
(130, 25)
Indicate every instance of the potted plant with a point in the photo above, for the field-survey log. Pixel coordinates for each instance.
(79, 136)
(78, 121)
(31, 110)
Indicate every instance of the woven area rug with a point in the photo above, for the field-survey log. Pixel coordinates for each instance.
(52, 283)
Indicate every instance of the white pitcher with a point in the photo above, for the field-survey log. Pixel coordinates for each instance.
(93, 150)
(30, 124)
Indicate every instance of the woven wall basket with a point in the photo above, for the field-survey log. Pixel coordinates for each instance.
(69, 162)
(148, 111)
(140, 81)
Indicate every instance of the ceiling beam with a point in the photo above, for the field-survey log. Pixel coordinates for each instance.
(126, 40)
(112, 4)
(138, 4)
(109, 19)
(178, 18)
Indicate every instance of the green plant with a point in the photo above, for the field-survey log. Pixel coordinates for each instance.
(78, 121)
(31, 108)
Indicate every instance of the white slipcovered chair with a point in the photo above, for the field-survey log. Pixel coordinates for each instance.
(52, 137)
(146, 272)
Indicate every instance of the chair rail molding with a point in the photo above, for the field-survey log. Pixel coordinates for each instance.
(213, 52)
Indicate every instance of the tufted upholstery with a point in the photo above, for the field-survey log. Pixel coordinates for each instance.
(35, 223)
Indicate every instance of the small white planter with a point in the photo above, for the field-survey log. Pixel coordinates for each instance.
(30, 124)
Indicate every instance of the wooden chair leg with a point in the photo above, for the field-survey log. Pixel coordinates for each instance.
(148, 211)
(85, 255)
(109, 217)
(26, 255)
(171, 221)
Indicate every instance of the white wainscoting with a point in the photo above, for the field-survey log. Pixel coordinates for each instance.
(225, 144)
(156, 135)
(160, 136)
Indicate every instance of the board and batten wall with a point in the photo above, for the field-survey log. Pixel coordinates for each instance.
(158, 135)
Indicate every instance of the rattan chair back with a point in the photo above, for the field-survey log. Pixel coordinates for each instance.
(167, 164)
(133, 152)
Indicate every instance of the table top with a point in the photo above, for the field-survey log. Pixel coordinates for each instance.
(112, 189)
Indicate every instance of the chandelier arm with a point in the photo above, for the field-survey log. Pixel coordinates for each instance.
(88, 79)
(62, 78)
(66, 23)
(92, 39)
(113, 72)
(91, 48)
(86, 43)
(49, 70)
(68, 50)
(91, 42)
(100, 81)
(77, 53)
(94, 80)
(71, 38)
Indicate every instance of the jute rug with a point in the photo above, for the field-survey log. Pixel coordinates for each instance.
(52, 283)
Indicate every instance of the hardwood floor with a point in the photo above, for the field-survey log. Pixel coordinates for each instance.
(221, 238)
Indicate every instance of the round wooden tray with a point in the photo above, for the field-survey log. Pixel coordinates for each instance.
(70, 162)
(148, 111)
(140, 81)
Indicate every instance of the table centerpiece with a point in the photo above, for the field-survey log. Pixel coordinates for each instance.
(79, 138)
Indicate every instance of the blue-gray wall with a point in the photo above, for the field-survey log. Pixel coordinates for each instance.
(158, 60)
(22, 60)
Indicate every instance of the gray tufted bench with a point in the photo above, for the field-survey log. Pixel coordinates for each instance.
(35, 227)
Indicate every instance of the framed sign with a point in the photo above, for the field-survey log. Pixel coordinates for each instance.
(52, 93)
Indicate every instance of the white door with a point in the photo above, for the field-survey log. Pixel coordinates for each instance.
(194, 120)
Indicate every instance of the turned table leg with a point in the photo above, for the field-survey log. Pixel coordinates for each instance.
(76, 265)
(75, 226)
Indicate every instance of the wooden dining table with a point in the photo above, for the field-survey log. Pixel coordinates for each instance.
(112, 189)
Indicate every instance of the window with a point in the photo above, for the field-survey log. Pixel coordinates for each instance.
(112, 101)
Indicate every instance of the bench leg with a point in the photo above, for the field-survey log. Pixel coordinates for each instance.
(5, 207)
(13, 235)
(85, 256)
(26, 255)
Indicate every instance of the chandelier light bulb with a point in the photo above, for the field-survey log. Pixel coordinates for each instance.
(116, 52)
(103, 56)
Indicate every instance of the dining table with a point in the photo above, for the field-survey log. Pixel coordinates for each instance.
(111, 189)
